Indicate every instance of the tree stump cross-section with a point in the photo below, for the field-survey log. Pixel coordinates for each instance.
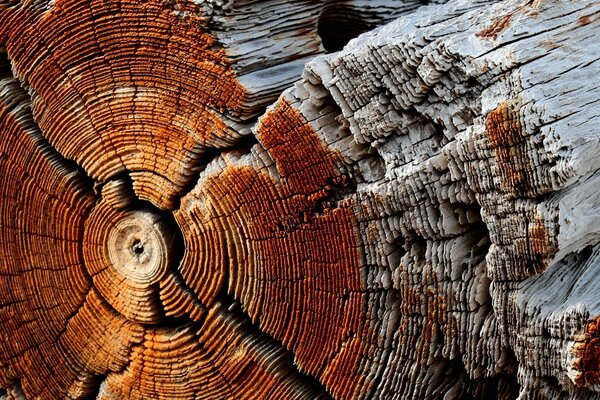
(227, 199)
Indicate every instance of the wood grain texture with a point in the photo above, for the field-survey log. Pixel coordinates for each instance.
(201, 199)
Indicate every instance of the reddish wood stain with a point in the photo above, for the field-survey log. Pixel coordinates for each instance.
(503, 22)
(296, 264)
(584, 20)
(497, 27)
(304, 163)
(588, 355)
(538, 237)
(517, 172)
(43, 281)
(506, 137)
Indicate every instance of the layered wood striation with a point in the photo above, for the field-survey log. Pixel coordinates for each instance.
(474, 160)
(414, 217)
(263, 214)
(48, 300)
(193, 361)
(112, 111)
(102, 73)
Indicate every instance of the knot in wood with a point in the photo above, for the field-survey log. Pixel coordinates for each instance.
(138, 247)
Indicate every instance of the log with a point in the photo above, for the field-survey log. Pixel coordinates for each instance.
(232, 199)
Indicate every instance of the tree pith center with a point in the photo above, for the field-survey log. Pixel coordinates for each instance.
(138, 247)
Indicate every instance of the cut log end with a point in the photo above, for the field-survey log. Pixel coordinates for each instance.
(194, 205)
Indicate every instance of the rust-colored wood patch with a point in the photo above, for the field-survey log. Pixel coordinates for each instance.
(588, 356)
(125, 86)
(293, 264)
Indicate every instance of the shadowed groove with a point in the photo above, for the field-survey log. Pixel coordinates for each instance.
(235, 308)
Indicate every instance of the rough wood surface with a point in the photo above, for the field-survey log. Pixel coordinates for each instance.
(415, 217)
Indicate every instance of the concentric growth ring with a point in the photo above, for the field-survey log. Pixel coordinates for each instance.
(138, 247)
(128, 250)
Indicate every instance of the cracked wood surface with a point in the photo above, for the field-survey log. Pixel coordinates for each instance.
(205, 199)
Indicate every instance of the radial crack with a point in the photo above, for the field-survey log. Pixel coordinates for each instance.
(234, 309)
(14, 96)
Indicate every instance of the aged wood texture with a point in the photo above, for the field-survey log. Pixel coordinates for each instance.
(414, 216)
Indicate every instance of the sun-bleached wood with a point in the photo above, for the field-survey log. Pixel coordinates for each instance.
(414, 216)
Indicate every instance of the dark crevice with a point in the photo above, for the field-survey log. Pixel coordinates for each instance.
(584, 254)
(480, 388)
(339, 23)
(187, 290)
(336, 190)
(84, 183)
(172, 322)
(123, 176)
(18, 92)
(472, 82)
(175, 322)
(94, 392)
(506, 382)
(235, 309)
(176, 246)
(175, 250)
(243, 145)
(341, 20)
(14, 390)
(5, 66)
(138, 247)
(71, 165)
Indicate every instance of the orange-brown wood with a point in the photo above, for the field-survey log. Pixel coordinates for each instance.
(125, 86)
(129, 101)
(191, 206)
(294, 265)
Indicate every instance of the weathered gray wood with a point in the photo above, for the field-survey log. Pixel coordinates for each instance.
(471, 131)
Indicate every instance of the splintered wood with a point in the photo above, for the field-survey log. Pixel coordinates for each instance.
(198, 199)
